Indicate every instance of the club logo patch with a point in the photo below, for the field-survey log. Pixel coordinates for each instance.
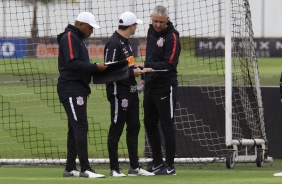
(124, 50)
(160, 42)
(79, 100)
(133, 89)
(124, 103)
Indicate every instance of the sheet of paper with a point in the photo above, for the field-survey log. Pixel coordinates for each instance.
(160, 70)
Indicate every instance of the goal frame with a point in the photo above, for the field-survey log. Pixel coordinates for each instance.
(232, 156)
(232, 145)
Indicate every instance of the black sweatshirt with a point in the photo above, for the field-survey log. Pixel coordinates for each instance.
(162, 53)
(73, 64)
(118, 48)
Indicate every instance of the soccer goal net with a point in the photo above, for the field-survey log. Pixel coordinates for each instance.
(219, 114)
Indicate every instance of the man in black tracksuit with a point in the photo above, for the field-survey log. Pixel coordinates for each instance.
(73, 89)
(123, 97)
(162, 53)
(281, 87)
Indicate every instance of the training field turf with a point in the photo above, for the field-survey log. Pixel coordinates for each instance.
(269, 70)
(213, 173)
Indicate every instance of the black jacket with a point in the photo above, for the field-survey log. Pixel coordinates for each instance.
(73, 64)
(118, 48)
(281, 87)
(162, 53)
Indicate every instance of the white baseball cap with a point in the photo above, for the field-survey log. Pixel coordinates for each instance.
(89, 18)
(128, 18)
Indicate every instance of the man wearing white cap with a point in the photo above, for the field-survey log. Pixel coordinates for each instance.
(123, 97)
(73, 89)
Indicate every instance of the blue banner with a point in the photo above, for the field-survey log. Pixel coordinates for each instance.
(12, 47)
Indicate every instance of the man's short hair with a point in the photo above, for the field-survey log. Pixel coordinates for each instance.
(123, 27)
(161, 10)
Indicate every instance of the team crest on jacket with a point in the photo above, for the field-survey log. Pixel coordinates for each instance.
(124, 103)
(160, 42)
(79, 100)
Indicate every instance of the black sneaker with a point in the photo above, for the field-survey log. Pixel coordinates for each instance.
(74, 173)
(168, 170)
(153, 168)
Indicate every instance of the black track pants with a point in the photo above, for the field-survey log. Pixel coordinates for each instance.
(75, 108)
(159, 106)
(124, 109)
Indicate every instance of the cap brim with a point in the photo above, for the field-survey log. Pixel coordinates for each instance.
(96, 26)
(138, 21)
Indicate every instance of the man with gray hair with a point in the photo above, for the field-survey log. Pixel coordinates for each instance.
(162, 53)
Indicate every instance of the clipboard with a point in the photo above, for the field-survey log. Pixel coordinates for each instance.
(115, 72)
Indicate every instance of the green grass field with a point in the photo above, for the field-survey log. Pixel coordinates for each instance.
(29, 95)
(269, 69)
(29, 125)
(243, 173)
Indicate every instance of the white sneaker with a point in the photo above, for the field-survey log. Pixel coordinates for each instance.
(139, 171)
(117, 173)
(91, 174)
(75, 173)
(278, 174)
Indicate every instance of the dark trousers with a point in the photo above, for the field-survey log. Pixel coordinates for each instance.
(124, 109)
(75, 108)
(159, 106)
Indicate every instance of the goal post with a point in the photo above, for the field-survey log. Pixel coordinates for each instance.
(228, 75)
(219, 112)
(239, 47)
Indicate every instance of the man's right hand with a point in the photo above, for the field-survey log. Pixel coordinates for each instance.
(137, 72)
(101, 66)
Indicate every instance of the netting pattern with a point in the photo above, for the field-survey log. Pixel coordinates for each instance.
(33, 123)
